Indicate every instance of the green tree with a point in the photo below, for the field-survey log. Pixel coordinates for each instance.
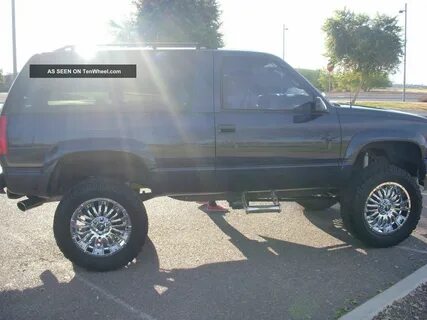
(324, 80)
(319, 78)
(362, 45)
(195, 21)
(124, 32)
(350, 81)
(313, 76)
(347, 81)
(377, 80)
(3, 86)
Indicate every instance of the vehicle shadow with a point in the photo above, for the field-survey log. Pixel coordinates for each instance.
(276, 279)
(330, 222)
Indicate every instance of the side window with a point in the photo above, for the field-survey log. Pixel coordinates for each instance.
(165, 81)
(80, 92)
(260, 83)
(51, 94)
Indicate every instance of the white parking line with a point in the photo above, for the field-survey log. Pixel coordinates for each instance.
(139, 313)
(127, 306)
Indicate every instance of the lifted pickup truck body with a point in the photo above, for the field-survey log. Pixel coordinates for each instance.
(195, 124)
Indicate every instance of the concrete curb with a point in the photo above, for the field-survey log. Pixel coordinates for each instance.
(372, 307)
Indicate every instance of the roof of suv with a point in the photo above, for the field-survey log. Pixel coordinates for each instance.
(92, 50)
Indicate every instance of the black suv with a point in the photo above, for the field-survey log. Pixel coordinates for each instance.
(199, 124)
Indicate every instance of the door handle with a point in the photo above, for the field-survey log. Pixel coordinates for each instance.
(227, 128)
(329, 138)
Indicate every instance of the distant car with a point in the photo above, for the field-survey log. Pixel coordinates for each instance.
(201, 125)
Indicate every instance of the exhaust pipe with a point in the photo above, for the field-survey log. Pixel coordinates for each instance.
(30, 203)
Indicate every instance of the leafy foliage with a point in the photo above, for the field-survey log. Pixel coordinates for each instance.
(124, 32)
(4, 85)
(363, 47)
(376, 80)
(315, 78)
(196, 21)
(345, 80)
(350, 81)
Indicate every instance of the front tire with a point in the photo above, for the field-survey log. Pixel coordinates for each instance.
(100, 225)
(383, 206)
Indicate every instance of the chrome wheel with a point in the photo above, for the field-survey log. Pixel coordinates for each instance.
(100, 227)
(387, 208)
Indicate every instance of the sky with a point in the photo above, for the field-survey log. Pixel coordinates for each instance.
(256, 25)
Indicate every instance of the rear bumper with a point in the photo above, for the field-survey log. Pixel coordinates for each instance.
(25, 181)
(2, 182)
(425, 177)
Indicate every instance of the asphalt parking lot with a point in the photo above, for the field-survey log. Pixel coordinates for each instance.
(292, 265)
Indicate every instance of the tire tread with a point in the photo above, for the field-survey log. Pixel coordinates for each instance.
(135, 209)
(353, 201)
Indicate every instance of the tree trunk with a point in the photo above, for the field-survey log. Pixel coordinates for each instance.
(356, 93)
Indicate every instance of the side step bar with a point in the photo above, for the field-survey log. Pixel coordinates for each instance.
(274, 207)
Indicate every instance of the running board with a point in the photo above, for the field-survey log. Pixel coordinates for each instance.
(274, 207)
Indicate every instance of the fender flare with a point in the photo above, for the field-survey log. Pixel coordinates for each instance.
(68, 148)
(365, 138)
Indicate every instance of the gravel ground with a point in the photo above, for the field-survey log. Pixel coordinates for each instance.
(413, 306)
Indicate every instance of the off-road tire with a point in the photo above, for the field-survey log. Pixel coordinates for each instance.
(317, 204)
(100, 188)
(354, 198)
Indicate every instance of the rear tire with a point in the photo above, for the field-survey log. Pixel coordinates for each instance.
(108, 213)
(382, 206)
(317, 204)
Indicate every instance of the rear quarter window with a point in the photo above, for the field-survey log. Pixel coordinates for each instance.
(166, 81)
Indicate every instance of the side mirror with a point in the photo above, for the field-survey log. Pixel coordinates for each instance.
(319, 106)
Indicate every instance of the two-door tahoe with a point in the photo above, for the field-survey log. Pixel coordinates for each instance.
(200, 124)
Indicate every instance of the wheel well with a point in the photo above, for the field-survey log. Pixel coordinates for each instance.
(405, 155)
(74, 168)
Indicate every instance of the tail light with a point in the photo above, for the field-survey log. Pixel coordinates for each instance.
(3, 136)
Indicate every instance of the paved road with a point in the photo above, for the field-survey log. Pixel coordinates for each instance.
(293, 265)
(378, 96)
